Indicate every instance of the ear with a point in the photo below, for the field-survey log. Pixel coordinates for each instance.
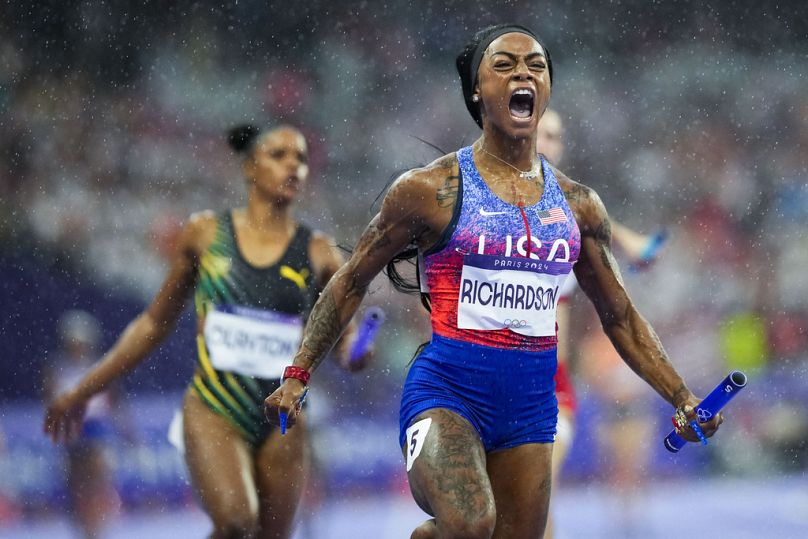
(475, 95)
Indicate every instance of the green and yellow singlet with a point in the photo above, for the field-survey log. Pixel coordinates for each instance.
(253, 319)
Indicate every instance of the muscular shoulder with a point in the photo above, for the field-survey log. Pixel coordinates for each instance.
(432, 182)
(584, 202)
(422, 199)
(425, 191)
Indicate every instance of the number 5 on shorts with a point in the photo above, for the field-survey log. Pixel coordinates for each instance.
(416, 435)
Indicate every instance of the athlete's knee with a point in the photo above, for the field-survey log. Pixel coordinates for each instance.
(239, 524)
(477, 525)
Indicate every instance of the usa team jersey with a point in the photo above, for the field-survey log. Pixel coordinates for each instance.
(490, 283)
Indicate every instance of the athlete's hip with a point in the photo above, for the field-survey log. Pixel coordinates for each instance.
(484, 370)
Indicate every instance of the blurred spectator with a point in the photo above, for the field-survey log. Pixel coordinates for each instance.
(93, 498)
(624, 426)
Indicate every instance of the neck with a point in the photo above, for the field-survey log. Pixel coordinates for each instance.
(267, 215)
(519, 152)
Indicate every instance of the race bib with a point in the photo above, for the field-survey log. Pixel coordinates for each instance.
(520, 294)
(252, 342)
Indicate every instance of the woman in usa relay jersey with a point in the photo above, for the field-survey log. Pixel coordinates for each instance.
(498, 230)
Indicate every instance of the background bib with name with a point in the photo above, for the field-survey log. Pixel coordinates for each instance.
(252, 342)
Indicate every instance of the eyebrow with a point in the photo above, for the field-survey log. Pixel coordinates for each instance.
(513, 56)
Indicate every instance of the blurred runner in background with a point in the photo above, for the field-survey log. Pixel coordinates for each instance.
(254, 273)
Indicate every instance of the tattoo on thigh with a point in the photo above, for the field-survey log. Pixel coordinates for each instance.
(454, 468)
(546, 485)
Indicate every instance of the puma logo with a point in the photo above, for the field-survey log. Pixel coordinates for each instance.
(299, 278)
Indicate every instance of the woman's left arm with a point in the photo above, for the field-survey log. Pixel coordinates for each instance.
(630, 333)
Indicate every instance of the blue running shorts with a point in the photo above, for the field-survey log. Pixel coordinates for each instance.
(507, 395)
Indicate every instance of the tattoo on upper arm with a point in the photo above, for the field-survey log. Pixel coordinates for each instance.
(447, 194)
(603, 237)
(576, 193)
(603, 234)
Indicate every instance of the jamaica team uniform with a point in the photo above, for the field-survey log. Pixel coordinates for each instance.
(495, 279)
(253, 321)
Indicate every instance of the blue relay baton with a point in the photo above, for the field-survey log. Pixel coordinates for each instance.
(368, 327)
(651, 250)
(711, 405)
(284, 417)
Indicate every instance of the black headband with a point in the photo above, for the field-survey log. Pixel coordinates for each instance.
(468, 61)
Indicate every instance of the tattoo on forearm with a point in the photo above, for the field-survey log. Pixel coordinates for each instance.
(373, 239)
(447, 194)
(322, 330)
(325, 323)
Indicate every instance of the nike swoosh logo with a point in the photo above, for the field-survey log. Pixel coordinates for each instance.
(485, 213)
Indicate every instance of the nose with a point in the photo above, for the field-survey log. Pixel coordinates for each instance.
(521, 71)
(292, 162)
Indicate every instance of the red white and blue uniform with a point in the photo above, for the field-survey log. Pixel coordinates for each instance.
(494, 280)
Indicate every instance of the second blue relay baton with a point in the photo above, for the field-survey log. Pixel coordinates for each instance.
(651, 250)
(368, 327)
(711, 405)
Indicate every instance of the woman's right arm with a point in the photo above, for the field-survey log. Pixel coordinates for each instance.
(407, 215)
(139, 338)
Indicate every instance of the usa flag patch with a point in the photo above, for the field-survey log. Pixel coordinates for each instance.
(553, 215)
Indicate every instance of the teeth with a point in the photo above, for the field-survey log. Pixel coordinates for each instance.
(523, 91)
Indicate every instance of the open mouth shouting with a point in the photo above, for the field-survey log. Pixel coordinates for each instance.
(522, 103)
(292, 182)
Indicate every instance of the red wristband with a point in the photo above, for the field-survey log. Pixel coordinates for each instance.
(298, 373)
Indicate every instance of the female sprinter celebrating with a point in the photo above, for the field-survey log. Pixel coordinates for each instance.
(498, 229)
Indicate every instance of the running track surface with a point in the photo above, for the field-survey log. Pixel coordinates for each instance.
(777, 508)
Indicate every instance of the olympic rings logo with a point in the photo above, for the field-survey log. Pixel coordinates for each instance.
(514, 323)
(703, 415)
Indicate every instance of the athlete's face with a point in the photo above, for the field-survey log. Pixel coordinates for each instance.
(278, 166)
(514, 84)
(549, 137)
